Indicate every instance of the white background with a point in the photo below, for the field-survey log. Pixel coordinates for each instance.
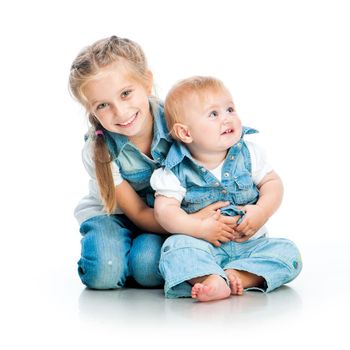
(287, 65)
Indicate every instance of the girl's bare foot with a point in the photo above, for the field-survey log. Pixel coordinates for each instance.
(214, 287)
(236, 285)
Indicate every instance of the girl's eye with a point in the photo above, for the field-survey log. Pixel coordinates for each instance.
(101, 106)
(213, 114)
(126, 93)
(230, 109)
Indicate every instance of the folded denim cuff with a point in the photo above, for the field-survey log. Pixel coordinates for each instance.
(271, 282)
(182, 264)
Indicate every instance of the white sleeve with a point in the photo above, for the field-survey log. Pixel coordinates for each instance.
(260, 166)
(165, 183)
(90, 167)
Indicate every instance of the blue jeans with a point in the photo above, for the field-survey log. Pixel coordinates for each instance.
(277, 260)
(113, 249)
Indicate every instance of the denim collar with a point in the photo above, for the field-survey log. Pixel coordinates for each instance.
(179, 151)
(117, 142)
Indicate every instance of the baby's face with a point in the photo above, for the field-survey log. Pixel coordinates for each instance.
(212, 121)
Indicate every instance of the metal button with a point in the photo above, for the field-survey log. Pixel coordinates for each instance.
(217, 184)
(203, 170)
(223, 191)
(226, 174)
(232, 157)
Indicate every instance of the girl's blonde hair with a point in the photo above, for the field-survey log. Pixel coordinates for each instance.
(182, 93)
(86, 67)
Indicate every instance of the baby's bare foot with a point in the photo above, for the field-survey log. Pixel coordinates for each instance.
(214, 287)
(235, 282)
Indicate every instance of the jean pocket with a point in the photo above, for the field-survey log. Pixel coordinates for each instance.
(246, 192)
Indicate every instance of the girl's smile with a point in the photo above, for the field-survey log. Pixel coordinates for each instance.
(129, 122)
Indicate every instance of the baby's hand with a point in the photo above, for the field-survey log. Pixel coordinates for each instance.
(254, 218)
(215, 231)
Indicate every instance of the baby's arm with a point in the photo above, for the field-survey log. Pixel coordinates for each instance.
(175, 220)
(270, 198)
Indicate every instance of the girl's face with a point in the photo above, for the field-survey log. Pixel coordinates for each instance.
(119, 101)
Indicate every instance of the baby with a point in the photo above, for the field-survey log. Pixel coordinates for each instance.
(209, 162)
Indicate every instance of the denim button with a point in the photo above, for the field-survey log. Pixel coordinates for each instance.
(165, 249)
(295, 264)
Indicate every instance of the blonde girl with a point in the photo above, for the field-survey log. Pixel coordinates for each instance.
(127, 140)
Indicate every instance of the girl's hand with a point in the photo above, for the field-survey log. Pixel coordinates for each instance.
(212, 209)
(214, 231)
(254, 218)
(209, 210)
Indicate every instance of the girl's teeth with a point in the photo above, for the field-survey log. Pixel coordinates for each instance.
(129, 121)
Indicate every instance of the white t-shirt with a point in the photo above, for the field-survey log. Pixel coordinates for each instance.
(165, 183)
(92, 205)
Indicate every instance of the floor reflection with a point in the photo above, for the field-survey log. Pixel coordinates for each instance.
(146, 307)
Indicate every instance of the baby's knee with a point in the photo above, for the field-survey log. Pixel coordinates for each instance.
(290, 255)
(292, 251)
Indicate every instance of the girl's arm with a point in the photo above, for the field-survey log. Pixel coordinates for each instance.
(175, 220)
(136, 209)
(270, 198)
(144, 217)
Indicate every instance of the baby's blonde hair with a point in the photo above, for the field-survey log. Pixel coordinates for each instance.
(87, 66)
(182, 92)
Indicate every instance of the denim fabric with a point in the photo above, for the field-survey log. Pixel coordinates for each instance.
(183, 257)
(113, 249)
(203, 188)
(134, 166)
(110, 251)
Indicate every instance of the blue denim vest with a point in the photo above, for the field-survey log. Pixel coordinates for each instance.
(134, 166)
(203, 188)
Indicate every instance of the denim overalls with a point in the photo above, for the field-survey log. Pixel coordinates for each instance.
(184, 257)
(110, 252)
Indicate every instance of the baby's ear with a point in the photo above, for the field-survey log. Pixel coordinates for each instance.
(182, 133)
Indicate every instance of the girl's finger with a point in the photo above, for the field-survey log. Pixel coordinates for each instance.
(217, 205)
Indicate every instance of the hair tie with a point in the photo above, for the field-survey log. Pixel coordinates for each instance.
(99, 133)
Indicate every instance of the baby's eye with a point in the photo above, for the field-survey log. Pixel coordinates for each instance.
(230, 109)
(126, 93)
(213, 114)
(102, 106)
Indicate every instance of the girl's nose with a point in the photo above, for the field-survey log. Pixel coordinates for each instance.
(118, 109)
